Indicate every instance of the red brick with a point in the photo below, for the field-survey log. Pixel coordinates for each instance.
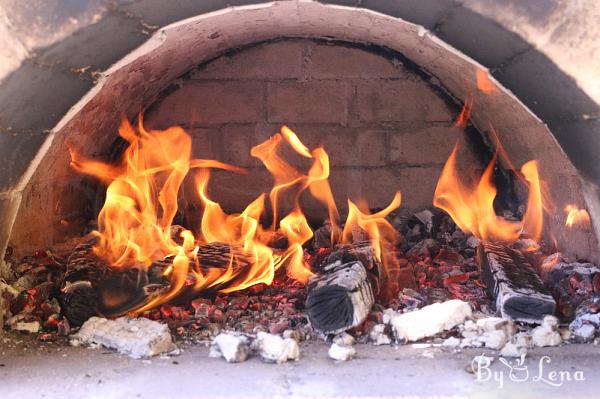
(210, 103)
(308, 102)
(346, 146)
(335, 62)
(429, 145)
(377, 187)
(280, 60)
(206, 144)
(238, 140)
(400, 100)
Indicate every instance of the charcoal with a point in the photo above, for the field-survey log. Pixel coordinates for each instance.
(513, 284)
(570, 283)
(341, 295)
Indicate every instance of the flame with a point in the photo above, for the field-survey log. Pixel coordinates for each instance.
(472, 207)
(576, 217)
(484, 83)
(134, 225)
(465, 113)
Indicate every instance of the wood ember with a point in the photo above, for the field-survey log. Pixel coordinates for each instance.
(137, 338)
(571, 284)
(586, 324)
(342, 294)
(513, 284)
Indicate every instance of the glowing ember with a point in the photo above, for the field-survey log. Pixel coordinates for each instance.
(576, 217)
(135, 223)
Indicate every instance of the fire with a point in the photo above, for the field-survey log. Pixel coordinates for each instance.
(484, 83)
(465, 113)
(576, 216)
(472, 207)
(135, 223)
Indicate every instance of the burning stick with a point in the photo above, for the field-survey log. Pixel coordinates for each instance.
(341, 296)
(511, 280)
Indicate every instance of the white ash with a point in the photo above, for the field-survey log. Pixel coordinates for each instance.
(135, 337)
(489, 332)
(232, 347)
(341, 352)
(451, 342)
(473, 242)
(512, 350)
(344, 339)
(523, 340)
(273, 348)
(547, 334)
(429, 320)
(31, 327)
(378, 335)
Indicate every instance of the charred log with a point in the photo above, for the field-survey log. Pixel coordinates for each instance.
(92, 288)
(513, 284)
(342, 294)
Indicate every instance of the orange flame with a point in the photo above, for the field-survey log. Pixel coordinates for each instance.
(484, 83)
(472, 208)
(134, 225)
(465, 113)
(576, 216)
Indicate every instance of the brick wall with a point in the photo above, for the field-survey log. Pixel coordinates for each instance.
(384, 127)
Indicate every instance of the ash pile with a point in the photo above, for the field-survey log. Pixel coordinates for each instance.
(437, 286)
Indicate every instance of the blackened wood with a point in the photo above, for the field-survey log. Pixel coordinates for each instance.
(342, 294)
(514, 284)
(91, 288)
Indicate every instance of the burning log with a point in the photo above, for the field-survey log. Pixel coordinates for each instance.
(92, 288)
(514, 284)
(342, 294)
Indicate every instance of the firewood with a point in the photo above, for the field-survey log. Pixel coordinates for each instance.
(92, 288)
(514, 284)
(341, 295)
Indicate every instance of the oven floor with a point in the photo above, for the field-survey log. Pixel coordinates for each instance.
(32, 369)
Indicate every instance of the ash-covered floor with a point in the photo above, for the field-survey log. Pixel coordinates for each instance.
(33, 369)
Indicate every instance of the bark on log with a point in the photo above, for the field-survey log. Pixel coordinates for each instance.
(513, 284)
(341, 295)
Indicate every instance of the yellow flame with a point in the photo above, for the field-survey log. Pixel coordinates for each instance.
(134, 225)
(472, 208)
(576, 216)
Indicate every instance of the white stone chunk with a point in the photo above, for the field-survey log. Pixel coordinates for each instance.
(493, 339)
(430, 320)
(547, 334)
(232, 347)
(273, 348)
(341, 352)
(378, 335)
(31, 327)
(344, 339)
(135, 337)
(512, 350)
